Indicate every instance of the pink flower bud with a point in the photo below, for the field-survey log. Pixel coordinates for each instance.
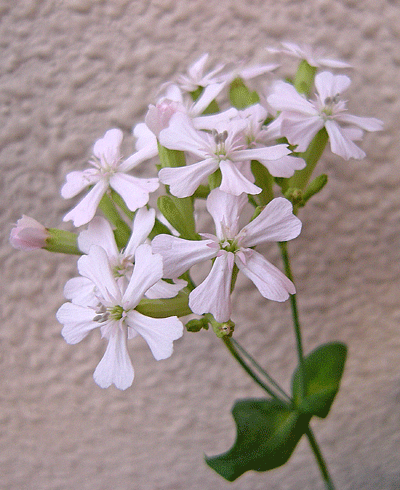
(28, 234)
(158, 115)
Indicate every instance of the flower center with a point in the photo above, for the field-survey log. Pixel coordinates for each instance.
(220, 138)
(103, 314)
(229, 245)
(124, 266)
(329, 104)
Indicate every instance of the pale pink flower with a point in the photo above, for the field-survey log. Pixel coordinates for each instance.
(231, 246)
(257, 135)
(301, 119)
(225, 149)
(314, 56)
(108, 171)
(28, 234)
(116, 316)
(197, 76)
(100, 233)
(159, 115)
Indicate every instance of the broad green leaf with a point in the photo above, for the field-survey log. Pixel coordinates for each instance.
(323, 372)
(240, 96)
(267, 433)
(179, 212)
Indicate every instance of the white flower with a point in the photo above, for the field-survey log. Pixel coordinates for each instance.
(196, 76)
(100, 233)
(115, 315)
(232, 246)
(225, 149)
(159, 115)
(257, 136)
(107, 171)
(314, 57)
(240, 70)
(300, 119)
(28, 234)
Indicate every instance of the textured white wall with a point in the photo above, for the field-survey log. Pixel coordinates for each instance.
(72, 69)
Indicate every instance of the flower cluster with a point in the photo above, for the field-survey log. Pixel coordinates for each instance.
(134, 270)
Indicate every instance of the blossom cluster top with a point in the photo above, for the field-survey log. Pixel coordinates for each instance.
(213, 138)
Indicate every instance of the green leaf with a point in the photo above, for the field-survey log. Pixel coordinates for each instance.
(323, 372)
(267, 433)
(304, 78)
(179, 212)
(240, 96)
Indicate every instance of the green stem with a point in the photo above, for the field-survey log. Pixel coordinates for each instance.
(320, 460)
(117, 199)
(232, 349)
(296, 324)
(295, 315)
(260, 369)
(122, 231)
(311, 156)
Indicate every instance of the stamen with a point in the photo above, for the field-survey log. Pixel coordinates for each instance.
(102, 314)
(332, 100)
(219, 137)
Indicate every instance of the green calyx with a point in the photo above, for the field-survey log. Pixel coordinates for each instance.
(62, 241)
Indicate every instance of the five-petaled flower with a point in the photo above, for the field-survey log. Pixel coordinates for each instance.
(223, 149)
(301, 119)
(232, 246)
(114, 313)
(108, 171)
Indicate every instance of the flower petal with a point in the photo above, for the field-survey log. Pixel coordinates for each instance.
(81, 291)
(96, 267)
(163, 289)
(77, 321)
(329, 85)
(341, 144)
(225, 210)
(300, 129)
(140, 156)
(285, 166)
(133, 190)
(159, 333)
(286, 98)
(276, 223)
(84, 211)
(77, 181)
(142, 226)
(367, 123)
(265, 153)
(207, 96)
(115, 366)
(183, 181)
(180, 255)
(99, 232)
(148, 269)
(213, 294)
(234, 182)
(107, 148)
(269, 280)
(181, 135)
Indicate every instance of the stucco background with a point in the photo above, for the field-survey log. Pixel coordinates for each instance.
(72, 69)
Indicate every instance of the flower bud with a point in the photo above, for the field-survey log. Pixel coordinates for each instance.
(196, 325)
(158, 116)
(28, 234)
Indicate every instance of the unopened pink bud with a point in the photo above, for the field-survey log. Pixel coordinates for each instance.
(158, 115)
(28, 234)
